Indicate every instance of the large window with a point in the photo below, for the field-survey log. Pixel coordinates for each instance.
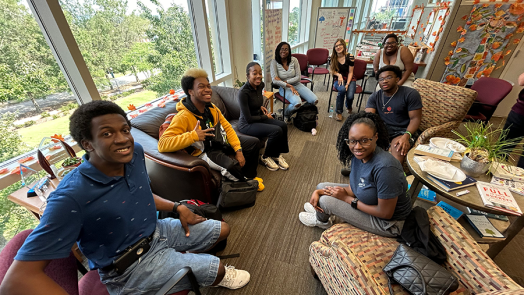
(130, 52)
(294, 22)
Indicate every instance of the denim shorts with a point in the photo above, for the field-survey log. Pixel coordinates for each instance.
(164, 259)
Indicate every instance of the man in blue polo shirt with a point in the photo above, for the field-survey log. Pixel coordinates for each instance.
(106, 206)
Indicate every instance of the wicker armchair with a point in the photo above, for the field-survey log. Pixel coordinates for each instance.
(445, 107)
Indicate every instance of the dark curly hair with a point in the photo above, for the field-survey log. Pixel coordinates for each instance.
(389, 68)
(277, 52)
(373, 121)
(80, 120)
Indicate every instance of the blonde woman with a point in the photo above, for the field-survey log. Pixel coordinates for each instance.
(342, 64)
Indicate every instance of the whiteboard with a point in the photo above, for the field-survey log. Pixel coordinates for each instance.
(272, 36)
(331, 25)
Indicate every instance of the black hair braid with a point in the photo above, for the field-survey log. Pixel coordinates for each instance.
(344, 153)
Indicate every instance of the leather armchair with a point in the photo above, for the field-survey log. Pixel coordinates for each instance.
(177, 176)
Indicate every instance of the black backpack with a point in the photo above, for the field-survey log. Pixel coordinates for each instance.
(306, 118)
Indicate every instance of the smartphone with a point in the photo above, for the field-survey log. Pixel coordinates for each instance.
(133, 254)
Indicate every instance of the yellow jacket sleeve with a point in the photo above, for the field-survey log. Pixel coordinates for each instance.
(230, 132)
(179, 135)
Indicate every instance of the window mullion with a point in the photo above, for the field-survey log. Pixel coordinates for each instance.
(198, 16)
(285, 20)
(223, 35)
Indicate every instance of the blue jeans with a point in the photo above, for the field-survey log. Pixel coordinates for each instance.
(163, 260)
(349, 95)
(295, 100)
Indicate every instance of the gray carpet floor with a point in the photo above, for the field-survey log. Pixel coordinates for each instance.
(272, 243)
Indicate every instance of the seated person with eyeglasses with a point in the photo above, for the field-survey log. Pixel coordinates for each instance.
(395, 54)
(376, 198)
(400, 108)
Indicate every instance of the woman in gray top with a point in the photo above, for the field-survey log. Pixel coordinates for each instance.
(285, 72)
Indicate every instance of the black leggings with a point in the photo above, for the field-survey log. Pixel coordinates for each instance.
(274, 130)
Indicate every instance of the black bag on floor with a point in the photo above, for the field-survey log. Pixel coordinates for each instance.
(306, 118)
(237, 194)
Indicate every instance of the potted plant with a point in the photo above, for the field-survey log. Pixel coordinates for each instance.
(72, 162)
(485, 144)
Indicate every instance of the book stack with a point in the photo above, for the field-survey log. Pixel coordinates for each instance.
(498, 197)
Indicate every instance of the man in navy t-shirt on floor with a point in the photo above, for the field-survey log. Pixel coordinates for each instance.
(399, 107)
(106, 206)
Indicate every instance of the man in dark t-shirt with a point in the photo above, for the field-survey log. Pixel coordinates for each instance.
(399, 107)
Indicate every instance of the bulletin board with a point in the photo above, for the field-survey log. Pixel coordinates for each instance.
(272, 37)
(332, 24)
(415, 20)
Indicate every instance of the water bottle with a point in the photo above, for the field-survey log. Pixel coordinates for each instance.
(331, 111)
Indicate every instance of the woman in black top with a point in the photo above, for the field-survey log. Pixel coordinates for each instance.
(256, 121)
(341, 68)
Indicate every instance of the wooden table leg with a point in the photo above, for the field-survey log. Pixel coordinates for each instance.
(511, 232)
(414, 190)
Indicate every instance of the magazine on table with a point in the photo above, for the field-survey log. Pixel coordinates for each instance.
(451, 186)
(498, 197)
(514, 186)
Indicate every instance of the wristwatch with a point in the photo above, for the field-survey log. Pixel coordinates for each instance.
(175, 207)
(354, 203)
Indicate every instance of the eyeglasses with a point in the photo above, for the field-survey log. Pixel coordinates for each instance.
(363, 142)
(385, 78)
(339, 45)
(284, 49)
(390, 43)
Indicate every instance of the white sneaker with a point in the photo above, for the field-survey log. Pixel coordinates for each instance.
(234, 278)
(281, 162)
(310, 219)
(309, 208)
(270, 164)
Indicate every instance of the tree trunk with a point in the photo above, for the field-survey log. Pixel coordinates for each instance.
(109, 79)
(136, 74)
(33, 100)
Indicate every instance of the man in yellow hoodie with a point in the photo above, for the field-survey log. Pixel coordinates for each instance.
(192, 129)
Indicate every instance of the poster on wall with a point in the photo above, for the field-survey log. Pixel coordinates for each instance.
(332, 24)
(488, 31)
(272, 36)
(351, 22)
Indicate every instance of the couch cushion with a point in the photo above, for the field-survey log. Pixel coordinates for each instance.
(217, 100)
(150, 121)
(229, 97)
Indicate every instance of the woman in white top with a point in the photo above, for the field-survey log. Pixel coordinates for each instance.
(395, 55)
(285, 72)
